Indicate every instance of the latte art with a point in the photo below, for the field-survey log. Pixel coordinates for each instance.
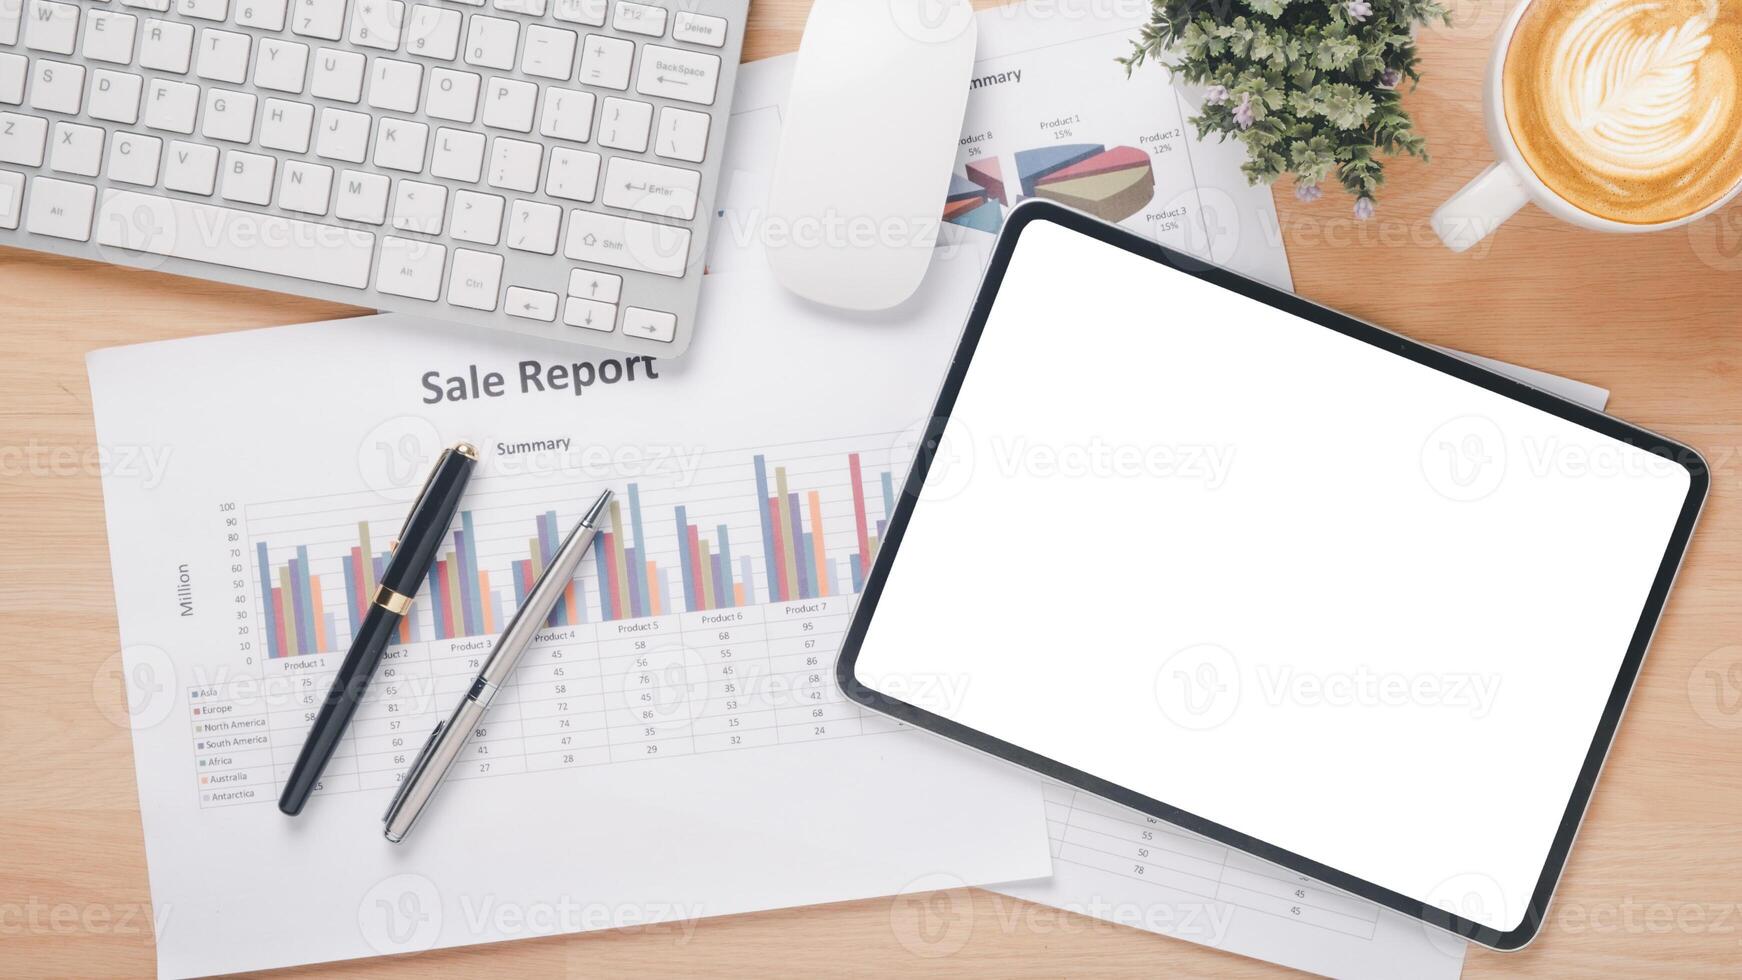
(1629, 109)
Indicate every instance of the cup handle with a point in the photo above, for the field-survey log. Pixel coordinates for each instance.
(1483, 205)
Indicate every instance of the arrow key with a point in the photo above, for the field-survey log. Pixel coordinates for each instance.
(531, 304)
(585, 313)
(600, 287)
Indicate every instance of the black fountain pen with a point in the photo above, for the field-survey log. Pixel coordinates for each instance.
(413, 553)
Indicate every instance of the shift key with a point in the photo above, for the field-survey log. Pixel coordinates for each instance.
(625, 243)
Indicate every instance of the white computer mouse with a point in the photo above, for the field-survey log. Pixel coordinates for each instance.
(866, 148)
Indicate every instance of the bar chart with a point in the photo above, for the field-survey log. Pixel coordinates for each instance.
(705, 620)
(800, 530)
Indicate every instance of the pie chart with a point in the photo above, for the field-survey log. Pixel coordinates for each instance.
(971, 203)
(1110, 184)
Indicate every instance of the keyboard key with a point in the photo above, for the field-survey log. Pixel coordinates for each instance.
(223, 56)
(22, 138)
(158, 5)
(203, 9)
(114, 96)
(60, 209)
(395, 85)
(338, 75)
(567, 115)
(208, 233)
(574, 174)
(9, 17)
(550, 53)
(247, 177)
(109, 36)
(433, 32)
(361, 197)
(601, 286)
(475, 280)
(532, 227)
(171, 106)
(531, 8)
(12, 207)
(477, 218)
(411, 268)
(78, 149)
(399, 145)
(528, 304)
(377, 23)
(682, 135)
(588, 12)
(587, 314)
(57, 87)
(453, 95)
(698, 29)
(166, 46)
(508, 104)
(53, 27)
(229, 116)
(267, 15)
(605, 61)
(672, 73)
(324, 19)
(624, 124)
(281, 66)
(652, 188)
(514, 164)
(13, 69)
(305, 187)
(491, 42)
(626, 243)
(191, 167)
(650, 324)
(639, 18)
(419, 207)
(342, 135)
(133, 159)
(458, 155)
(286, 125)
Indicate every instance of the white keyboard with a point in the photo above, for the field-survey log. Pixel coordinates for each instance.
(541, 166)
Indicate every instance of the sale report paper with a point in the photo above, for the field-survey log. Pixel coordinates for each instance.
(672, 746)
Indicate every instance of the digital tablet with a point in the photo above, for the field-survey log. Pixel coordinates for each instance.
(1278, 576)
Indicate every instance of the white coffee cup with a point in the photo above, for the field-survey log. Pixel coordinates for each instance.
(1508, 184)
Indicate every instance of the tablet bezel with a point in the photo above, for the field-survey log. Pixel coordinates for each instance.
(1036, 210)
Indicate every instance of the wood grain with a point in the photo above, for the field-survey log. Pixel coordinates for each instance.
(1654, 886)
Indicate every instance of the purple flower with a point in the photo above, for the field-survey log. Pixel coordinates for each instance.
(1390, 77)
(1216, 94)
(1243, 113)
(1308, 192)
(1359, 10)
(1363, 208)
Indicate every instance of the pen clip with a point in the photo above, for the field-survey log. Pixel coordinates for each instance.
(411, 775)
(417, 501)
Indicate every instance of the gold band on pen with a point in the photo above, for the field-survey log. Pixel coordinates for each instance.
(467, 450)
(391, 601)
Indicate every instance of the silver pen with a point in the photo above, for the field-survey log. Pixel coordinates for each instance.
(444, 745)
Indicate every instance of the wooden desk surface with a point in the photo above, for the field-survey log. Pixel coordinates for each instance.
(1654, 885)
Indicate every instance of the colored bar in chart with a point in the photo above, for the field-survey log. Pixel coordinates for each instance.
(296, 619)
(462, 602)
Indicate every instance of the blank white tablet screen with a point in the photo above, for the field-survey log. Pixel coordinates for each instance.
(1287, 581)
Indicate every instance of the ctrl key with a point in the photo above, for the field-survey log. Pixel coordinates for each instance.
(649, 324)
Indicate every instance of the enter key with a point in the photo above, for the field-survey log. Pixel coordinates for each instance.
(651, 188)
